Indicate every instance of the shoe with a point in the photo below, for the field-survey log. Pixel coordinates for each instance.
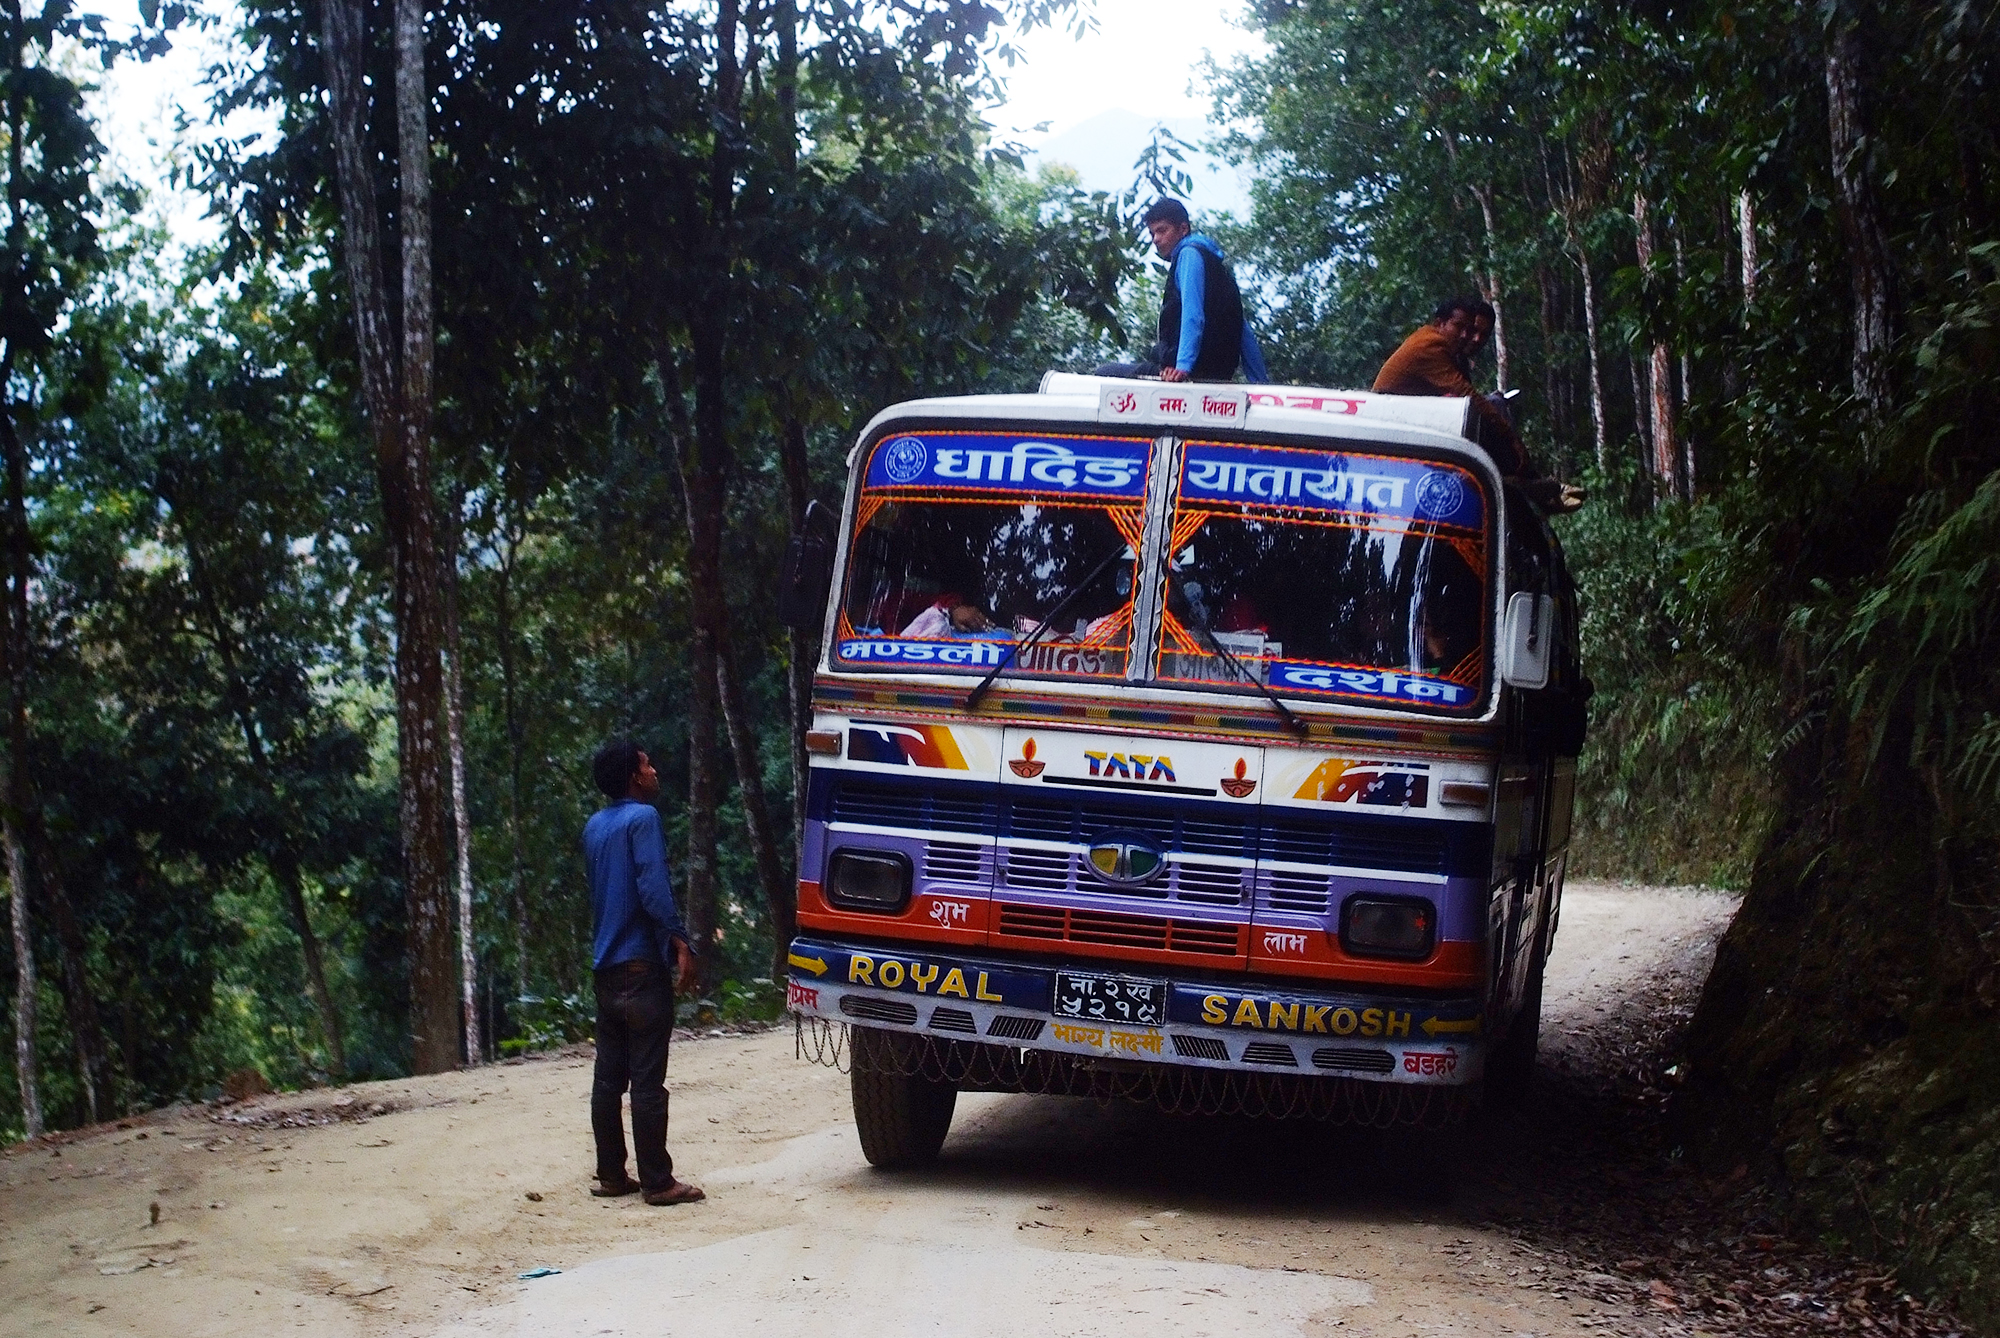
(616, 1190)
(680, 1191)
(1554, 497)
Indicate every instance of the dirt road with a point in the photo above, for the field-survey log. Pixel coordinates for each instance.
(410, 1207)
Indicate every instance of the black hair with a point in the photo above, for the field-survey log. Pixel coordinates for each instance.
(1166, 208)
(616, 763)
(1476, 307)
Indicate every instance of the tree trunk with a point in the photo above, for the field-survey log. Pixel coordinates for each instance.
(282, 858)
(73, 954)
(398, 405)
(461, 814)
(285, 867)
(1685, 471)
(503, 619)
(700, 468)
(1553, 392)
(23, 803)
(1599, 429)
(1746, 231)
(1490, 287)
(25, 985)
(1869, 271)
(780, 897)
(801, 649)
(704, 468)
(1641, 426)
(1659, 379)
(20, 798)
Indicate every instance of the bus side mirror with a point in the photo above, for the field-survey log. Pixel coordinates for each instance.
(1527, 643)
(802, 582)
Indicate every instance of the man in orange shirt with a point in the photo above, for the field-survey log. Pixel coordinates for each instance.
(1437, 360)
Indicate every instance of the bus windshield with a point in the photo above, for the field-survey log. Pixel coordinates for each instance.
(1337, 575)
(1328, 574)
(966, 542)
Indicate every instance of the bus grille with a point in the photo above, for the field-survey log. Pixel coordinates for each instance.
(878, 1010)
(1397, 846)
(1210, 884)
(1010, 1028)
(1199, 1047)
(950, 862)
(878, 805)
(1346, 1059)
(1041, 870)
(1115, 930)
(953, 1019)
(1270, 1052)
(1290, 890)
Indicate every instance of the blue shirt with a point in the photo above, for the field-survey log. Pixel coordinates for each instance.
(1190, 276)
(632, 913)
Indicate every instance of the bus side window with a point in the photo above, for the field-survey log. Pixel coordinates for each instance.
(1528, 556)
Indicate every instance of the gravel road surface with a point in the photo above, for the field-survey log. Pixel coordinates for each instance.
(411, 1207)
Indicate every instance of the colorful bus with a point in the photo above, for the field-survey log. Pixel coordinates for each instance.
(1207, 744)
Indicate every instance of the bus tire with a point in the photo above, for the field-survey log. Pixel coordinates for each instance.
(902, 1117)
(1510, 1069)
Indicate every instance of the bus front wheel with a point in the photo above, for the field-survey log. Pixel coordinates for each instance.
(1510, 1070)
(901, 1115)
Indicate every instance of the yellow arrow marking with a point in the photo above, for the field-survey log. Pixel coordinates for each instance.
(1432, 1026)
(816, 965)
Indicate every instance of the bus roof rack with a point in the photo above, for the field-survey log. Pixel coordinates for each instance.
(1432, 413)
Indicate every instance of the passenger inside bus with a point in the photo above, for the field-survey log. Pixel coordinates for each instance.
(949, 617)
(927, 571)
(1381, 601)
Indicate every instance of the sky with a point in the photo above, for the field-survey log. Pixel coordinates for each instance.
(1091, 101)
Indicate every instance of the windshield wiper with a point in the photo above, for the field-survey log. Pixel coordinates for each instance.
(1200, 624)
(1062, 606)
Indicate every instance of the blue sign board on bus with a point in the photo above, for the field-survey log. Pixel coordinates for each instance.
(1082, 467)
(1306, 480)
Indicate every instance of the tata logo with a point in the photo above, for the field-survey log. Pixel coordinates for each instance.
(1126, 859)
(1130, 766)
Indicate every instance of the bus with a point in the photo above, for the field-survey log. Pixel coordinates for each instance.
(1211, 745)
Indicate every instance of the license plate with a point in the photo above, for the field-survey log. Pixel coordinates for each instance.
(1111, 999)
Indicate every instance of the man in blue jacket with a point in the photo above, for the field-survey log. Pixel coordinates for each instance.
(1203, 335)
(634, 925)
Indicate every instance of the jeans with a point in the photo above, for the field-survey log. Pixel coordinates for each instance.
(635, 1020)
(1128, 370)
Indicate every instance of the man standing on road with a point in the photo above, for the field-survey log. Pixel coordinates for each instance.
(634, 924)
(1437, 360)
(1203, 335)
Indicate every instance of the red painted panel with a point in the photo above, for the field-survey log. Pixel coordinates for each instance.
(1316, 954)
(927, 919)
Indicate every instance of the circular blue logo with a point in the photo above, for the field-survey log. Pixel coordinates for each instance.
(904, 459)
(1439, 494)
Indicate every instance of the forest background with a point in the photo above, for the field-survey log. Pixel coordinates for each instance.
(331, 554)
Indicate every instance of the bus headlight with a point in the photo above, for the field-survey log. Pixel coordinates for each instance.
(1376, 926)
(868, 880)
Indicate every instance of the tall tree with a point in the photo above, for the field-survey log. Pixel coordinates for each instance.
(51, 249)
(396, 362)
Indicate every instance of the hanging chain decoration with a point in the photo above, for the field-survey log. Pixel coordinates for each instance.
(973, 1066)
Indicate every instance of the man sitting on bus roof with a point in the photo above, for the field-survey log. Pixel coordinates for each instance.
(1437, 360)
(1203, 335)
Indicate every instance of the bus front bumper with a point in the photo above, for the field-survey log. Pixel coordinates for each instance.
(1140, 1017)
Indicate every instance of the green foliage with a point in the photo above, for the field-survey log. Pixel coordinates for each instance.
(215, 646)
(1792, 625)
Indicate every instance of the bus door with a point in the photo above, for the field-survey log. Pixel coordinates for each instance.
(1526, 782)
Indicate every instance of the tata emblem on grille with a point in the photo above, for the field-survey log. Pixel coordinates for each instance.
(1126, 858)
